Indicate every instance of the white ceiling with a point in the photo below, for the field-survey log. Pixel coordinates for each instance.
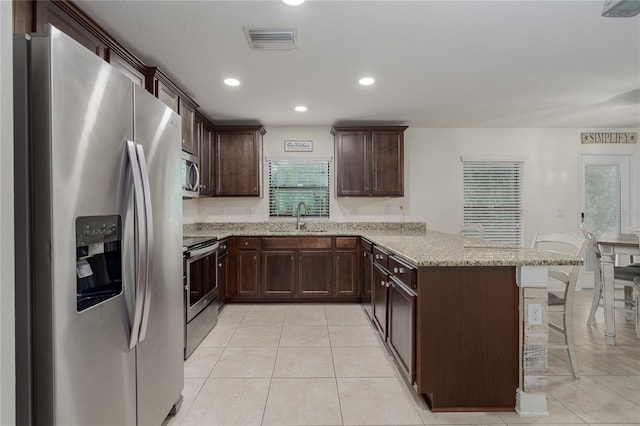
(436, 63)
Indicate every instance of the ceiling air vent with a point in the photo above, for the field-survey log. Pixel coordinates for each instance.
(272, 38)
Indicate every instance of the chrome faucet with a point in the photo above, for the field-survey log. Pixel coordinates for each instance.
(306, 211)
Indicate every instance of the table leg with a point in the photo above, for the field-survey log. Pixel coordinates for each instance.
(607, 261)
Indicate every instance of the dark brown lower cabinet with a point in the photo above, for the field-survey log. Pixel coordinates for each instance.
(345, 270)
(223, 266)
(294, 268)
(379, 296)
(366, 276)
(467, 337)
(278, 273)
(247, 274)
(314, 273)
(402, 328)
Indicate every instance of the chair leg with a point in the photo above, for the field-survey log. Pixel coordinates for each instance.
(636, 292)
(597, 295)
(568, 332)
(629, 303)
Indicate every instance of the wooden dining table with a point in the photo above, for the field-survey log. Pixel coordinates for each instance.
(612, 246)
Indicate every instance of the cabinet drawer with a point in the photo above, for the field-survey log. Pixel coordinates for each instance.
(381, 257)
(296, 242)
(366, 244)
(346, 242)
(404, 272)
(248, 243)
(223, 247)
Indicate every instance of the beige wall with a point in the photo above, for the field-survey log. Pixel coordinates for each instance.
(7, 335)
(433, 177)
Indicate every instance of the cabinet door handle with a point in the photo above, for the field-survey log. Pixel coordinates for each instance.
(246, 243)
(382, 283)
(338, 257)
(219, 265)
(395, 270)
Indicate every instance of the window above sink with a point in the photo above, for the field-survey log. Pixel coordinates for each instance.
(294, 181)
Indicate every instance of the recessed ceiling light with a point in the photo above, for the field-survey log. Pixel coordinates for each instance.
(366, 81)
(301, 108)
(293, 2)
(232, 82)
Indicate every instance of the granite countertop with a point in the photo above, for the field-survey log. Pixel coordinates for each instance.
(441, 249)
(412, 243)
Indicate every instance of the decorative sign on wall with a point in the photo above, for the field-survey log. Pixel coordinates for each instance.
(299, 146)
(609, 137)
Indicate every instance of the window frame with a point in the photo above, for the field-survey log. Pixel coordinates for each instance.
(317, 209)
(494, 198)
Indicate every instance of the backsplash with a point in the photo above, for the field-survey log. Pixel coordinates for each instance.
(278, 226)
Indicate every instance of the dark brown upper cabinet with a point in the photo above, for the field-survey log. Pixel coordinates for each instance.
(61, 16)
(32, 16)
(161, 86)
(127, 66)
(190, 127)
(207, 166)
(369, 161)
(238, 154)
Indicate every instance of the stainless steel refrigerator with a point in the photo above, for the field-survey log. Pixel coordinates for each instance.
(98, 228)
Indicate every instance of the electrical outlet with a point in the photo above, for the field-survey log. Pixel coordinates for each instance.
(535, 313)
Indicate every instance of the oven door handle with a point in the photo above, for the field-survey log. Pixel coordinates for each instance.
(201, 251)
(148, 254)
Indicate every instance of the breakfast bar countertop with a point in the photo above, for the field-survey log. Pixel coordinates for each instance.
(417, 246)
(441, 249)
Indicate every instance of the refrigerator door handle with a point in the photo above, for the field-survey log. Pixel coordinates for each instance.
(132, 171)
(144, 173)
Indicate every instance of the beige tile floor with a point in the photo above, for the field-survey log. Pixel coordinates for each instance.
(314, 364)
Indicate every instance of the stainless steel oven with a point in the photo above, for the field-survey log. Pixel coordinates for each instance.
(201, 290)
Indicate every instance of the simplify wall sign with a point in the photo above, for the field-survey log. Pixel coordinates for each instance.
(609, 137)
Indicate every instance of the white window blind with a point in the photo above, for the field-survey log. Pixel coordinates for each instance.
(493, 198)
(293, 181)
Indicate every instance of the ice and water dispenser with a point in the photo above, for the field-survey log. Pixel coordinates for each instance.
(98, 259)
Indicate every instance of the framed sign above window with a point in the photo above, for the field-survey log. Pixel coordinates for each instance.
(298, 146)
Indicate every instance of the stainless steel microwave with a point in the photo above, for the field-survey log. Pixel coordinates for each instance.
(190, 176)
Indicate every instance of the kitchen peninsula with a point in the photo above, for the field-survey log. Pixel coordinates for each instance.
(452, 310)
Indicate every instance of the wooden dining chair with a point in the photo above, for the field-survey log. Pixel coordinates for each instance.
(629, 277)
(633, 230)
(636, 301)
(626, 277)
(593, 251)
(563, 243)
